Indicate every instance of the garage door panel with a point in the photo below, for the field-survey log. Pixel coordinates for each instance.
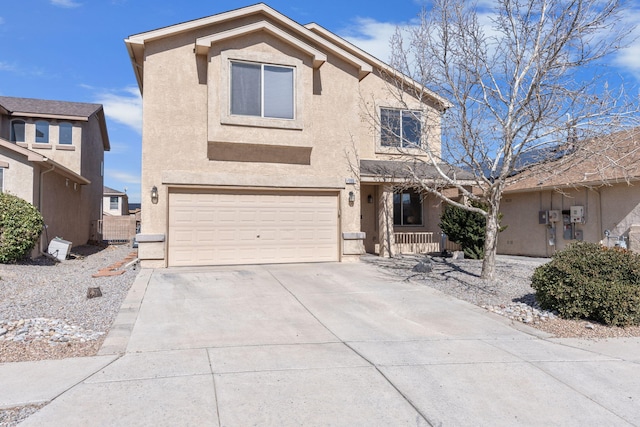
(244, 228)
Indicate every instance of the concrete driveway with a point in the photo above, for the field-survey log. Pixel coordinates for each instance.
(340, 345)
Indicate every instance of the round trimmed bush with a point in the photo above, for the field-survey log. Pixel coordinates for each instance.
(589, 281)
(20, 227)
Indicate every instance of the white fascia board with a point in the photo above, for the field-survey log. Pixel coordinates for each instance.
(203, 44)
(135, 43)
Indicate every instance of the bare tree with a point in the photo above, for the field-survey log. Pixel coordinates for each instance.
(520, 89)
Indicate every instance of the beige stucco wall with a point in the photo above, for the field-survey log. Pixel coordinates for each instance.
(19, 176)
(615, 208)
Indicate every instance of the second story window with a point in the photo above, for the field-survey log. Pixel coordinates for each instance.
(17, 131)
(262, 90)
(400, 128)
(42, 131)
(66, 133)
(113, 203)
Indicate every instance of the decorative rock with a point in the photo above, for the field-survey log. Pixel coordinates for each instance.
(424, 266)
(54, 331)
(521, 312)
(589, 326)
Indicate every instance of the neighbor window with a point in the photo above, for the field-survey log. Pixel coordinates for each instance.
(262, 90)
(407, 208)
(113, 203)
(65, 135)
(42, 131)
(1, 180)
(400, 128)
(17, 131)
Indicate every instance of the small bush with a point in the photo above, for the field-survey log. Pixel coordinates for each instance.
(466, 228)
(20, 227)
(588, 281)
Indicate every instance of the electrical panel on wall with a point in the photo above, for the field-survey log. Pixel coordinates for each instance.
(577, 214)
(554, 216)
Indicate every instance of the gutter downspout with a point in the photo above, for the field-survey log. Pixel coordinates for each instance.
(42, 251)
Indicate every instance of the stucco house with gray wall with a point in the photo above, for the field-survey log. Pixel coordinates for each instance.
(590, 195)
(268, 141)
(52, 155)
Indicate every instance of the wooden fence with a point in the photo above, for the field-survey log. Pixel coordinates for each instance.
(117, 229)
(422, 243)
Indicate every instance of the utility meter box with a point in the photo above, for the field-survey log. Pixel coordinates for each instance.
(554, 216)
(577, 214)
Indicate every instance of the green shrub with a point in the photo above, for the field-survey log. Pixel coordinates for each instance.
(588, 281)
(465, 228)
(20, 227)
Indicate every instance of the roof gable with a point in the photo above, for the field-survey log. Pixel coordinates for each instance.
(312, 33)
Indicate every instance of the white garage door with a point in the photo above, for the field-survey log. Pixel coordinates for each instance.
(252, 228)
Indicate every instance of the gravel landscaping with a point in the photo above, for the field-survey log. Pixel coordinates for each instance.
(44, 309)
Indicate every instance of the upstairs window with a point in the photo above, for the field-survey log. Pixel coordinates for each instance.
(42, 131)
(400, 128)
(113, 203)
(17, 131)
(407, 208)
(66, 133)
(262, 90)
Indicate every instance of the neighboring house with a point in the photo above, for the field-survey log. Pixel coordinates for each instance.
(586, 195)
(114, 202)
(51, 154)
(263, 142)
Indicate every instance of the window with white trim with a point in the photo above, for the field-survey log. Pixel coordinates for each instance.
(407, 208)
(65, 135)
(262, 90)
(42, 131)
(400, 128)
(17, 131)
(113, 203)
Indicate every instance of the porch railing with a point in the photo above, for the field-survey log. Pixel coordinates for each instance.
(421, 243)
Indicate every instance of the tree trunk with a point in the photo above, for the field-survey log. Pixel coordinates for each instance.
(490, 244)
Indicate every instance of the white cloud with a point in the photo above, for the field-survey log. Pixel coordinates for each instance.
(371, 36)
(5, 66)
(69, 4)
(122, 176)
(123, 108)
(628, 58)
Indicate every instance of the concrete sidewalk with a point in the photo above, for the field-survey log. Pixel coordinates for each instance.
(325, 344)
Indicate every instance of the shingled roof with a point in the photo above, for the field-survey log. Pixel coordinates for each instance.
(594, 162)
(48, 107)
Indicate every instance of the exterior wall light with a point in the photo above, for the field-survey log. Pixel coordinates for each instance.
(352, 197)
(154, 195)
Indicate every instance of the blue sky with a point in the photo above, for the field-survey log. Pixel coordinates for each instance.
(73, 50)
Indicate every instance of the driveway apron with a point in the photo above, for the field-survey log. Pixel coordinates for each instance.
(341, 345)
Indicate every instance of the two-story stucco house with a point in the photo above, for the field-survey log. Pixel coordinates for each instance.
(268, 141)
(114, 202)
(52, 155)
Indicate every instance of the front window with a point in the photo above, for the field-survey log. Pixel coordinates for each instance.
(407, 208)
(65, 135)
(400, 128)
(17, 131)
(113, 203)
(42, 131)
(262, 90)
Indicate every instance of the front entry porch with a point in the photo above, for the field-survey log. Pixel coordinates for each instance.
(401, 221)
